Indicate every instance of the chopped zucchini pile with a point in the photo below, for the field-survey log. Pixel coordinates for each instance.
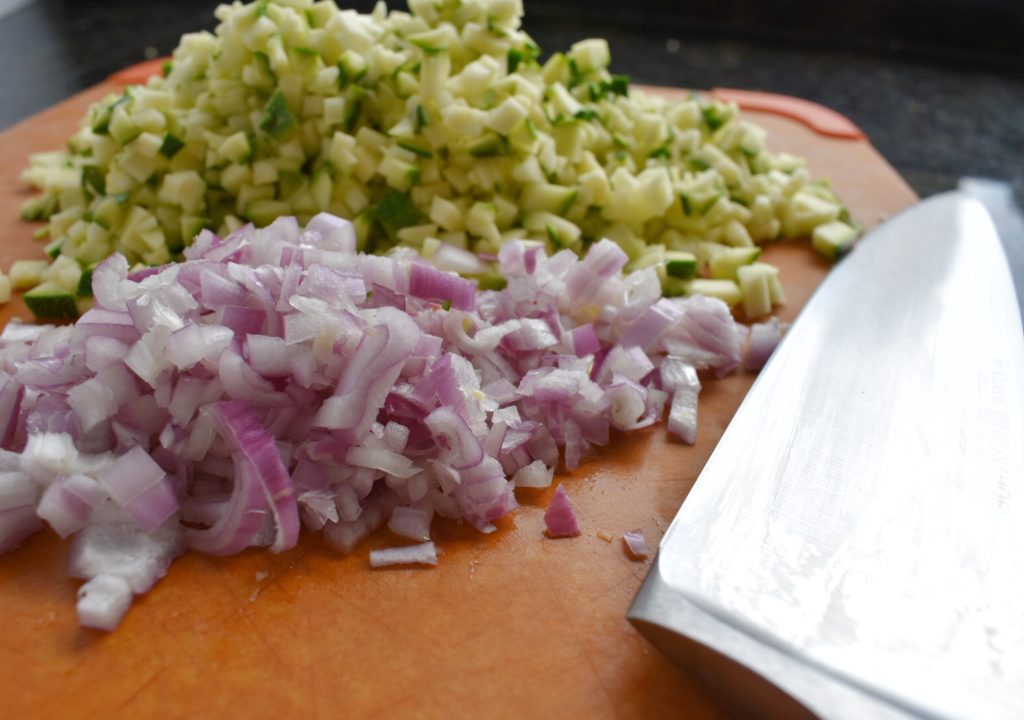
(438, 125)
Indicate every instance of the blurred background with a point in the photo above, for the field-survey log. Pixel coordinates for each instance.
(937, 85)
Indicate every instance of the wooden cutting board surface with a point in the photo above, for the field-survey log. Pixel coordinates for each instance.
(510, 624)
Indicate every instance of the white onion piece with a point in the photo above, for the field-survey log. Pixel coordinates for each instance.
(119, 547)
(422, 554)
(103, 601)
(535, 475)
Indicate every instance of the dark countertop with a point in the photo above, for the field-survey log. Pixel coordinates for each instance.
(938, 87)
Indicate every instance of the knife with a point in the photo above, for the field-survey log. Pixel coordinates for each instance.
(852, 548)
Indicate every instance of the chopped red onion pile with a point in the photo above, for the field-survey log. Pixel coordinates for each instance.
(276, 378)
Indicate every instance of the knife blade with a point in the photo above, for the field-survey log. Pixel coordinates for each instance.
(854, 539)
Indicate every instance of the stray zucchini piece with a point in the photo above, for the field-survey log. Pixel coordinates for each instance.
(833, 239)
(51, 300)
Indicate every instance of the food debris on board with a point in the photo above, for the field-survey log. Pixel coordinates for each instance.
(222, 391)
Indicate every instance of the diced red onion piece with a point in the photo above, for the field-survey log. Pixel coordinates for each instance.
(346, 534)
(764, 338)
(422, 554)
(380, 458)
(560, 517)
(11, 396)
(410, 522)
(103, 602)
(140, 486)
(458, 446)
(682, 417)
(584, 340)
(68, 503)
(535, 475)
(122, 549)
(261, 484)
(16, 525)
(676, 372)
(318, 507)
(587, 280)
(652, 323)
(628, 401)
(450, 258)
(106, 281)
(636, 544)
(334, 233)
(430, 283)
(17, 490)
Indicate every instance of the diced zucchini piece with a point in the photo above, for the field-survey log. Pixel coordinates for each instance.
(833, 239)
(755, 284)
(184, 189)
(446, 214)
(726, 261)
(51, 300)
(171, 144)
(591, 54)
(39, 207)
(236, 148)
(277, 119)
(548, 197)
(487, 145)
(395, 211)
(264, 212)
(680, 264)
(805, 211)
(26, 273)
(725, 290)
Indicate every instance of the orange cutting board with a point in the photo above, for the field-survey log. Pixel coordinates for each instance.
(510, 624)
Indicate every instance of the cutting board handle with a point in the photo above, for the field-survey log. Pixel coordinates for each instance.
(818, 118)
